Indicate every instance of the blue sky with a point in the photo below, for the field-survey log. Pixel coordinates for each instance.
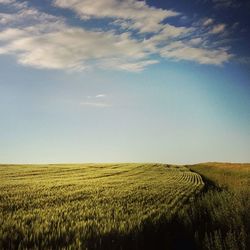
(124, 81)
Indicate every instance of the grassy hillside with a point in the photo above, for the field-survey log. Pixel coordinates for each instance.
(125, 206)
(230, 176)
(220, 217)
(92, 206)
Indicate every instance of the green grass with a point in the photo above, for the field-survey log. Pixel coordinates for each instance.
(220, 217)
(91, 206)
(231, 176)
(125, 206)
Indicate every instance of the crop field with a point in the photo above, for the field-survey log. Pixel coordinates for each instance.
(90, 206)
(230, 176)
(220, 217)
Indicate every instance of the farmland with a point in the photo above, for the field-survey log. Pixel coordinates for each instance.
(231, 176)
(220, 217)
(92, 206)
(125, 206)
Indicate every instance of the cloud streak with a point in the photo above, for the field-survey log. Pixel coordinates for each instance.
(98, 101)
(142, 16)
(143, 37)
(96, 104)
(71, 48)
(208, 21)
(226, 4)
(219, 28)
(181, 51)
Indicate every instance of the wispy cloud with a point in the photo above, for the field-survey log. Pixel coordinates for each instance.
(195, 41)
(96, 104)
(219, 28)
(141, 16)
(208, 21)
(101, 96)
(98, 101)
(72, 48)
(181, 51)
(6, 1)
(226, 3)
(42, 40)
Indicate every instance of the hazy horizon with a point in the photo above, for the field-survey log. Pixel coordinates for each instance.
(124, 81)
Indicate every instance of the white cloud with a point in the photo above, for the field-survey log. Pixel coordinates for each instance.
(47, 42)
(96, 104)
(74, 48)
(5, 18)
(120, 64)
(6, 1)
(208, 21)
(100, 96)
(167, 34)
(14, 4)
(227, 3)
(195, 41)
(32, 16)
(181, 51)
(42, 40)
(143, 17)
(219, 28)
(11, 34)
(169, 31)
(98, 101)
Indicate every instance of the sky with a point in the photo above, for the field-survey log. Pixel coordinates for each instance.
(124, 81)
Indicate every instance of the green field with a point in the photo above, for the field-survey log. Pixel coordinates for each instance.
(220, 217)
(230, 176)
(89, 206)
(125, 206)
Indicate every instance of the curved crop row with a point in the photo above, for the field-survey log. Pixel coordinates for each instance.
(79, 206)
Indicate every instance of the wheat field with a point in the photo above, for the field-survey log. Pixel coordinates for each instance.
(85, 206)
